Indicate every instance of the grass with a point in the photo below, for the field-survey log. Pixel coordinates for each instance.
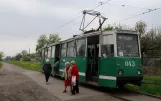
(27, 65)
(152, 79)
(147, 88)
(1, 65)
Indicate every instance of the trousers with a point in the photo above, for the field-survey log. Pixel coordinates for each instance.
(75, 89)
(47, 75)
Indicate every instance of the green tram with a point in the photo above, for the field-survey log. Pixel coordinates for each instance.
(108, 58)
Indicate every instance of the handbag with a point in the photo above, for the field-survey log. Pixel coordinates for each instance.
(73, 80)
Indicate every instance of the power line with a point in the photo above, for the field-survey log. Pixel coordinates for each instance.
(138, 14)
(128, 6)
(101, 3)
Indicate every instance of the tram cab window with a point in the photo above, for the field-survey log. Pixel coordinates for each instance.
(71, 49)
(108, 46)
(127, 45)
(80, 47)
(63, 50)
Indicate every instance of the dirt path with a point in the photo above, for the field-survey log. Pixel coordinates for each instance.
(18, 84)
(18, 87)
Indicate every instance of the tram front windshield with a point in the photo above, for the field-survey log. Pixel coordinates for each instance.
(127, 45)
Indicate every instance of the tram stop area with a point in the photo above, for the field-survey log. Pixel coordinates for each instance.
(56, 87)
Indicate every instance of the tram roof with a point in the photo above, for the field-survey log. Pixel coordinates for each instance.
(82, 35)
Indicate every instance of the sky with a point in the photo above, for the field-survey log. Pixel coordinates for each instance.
(23, 21)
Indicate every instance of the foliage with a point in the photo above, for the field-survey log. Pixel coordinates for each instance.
(117, 27)
(27, 65)
(53, 38)
(44, 40)
(1, 55)
(24, 52)
(140, 27)
(18, 57)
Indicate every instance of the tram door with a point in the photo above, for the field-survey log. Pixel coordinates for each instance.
(92, 59)
(57, 59)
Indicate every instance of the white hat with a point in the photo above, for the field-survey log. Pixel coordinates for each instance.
(67, 63)
(47, 60)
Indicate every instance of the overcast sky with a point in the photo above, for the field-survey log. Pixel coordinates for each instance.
(23, 21)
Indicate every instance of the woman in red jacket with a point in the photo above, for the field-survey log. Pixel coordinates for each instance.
(74, 72)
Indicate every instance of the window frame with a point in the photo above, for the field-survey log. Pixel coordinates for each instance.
(85, 51)
(74, 48)
(65, 50)
(114, 45)
(53, 52)
(138, 42)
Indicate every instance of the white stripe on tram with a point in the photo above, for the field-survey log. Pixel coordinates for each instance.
(107, 77)
(62, 70)
(82, 74)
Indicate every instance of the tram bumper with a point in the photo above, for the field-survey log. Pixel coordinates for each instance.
(136, 80)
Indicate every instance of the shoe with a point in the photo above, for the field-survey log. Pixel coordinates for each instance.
(64, 91)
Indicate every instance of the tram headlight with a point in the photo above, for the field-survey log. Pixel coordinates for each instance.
(120, 72)
(139, 72)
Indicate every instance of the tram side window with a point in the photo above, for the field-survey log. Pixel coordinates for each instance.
(108, 46)
(49, 52)
(63, 50)
(71, 49)
(46, 53)
(42, 54)
(80, 47)
(53, 52)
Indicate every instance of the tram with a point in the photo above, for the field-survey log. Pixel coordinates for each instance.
(104, 58)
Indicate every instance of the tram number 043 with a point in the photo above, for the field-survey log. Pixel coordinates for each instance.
(130, 63)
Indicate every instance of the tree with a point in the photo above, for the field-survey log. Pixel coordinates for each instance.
(53, 38)
(1, 55)
(140, 27)
(18, 56)
(41, 42)
(24, 52)
(117, 27)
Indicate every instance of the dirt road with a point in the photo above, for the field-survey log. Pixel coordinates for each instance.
(18, 87)
(17, 84)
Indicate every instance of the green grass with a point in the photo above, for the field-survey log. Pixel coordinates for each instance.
(1, 65)
(152, 79)
(27, 65)
(147, 88)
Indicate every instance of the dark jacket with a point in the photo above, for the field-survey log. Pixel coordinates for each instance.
(47, 68)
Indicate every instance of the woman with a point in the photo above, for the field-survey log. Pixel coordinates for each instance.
(47, 70)
(66, 75)
(74, 73)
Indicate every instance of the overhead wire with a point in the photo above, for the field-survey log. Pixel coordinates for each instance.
(151, 10)
(122, 5)
(101, 3)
